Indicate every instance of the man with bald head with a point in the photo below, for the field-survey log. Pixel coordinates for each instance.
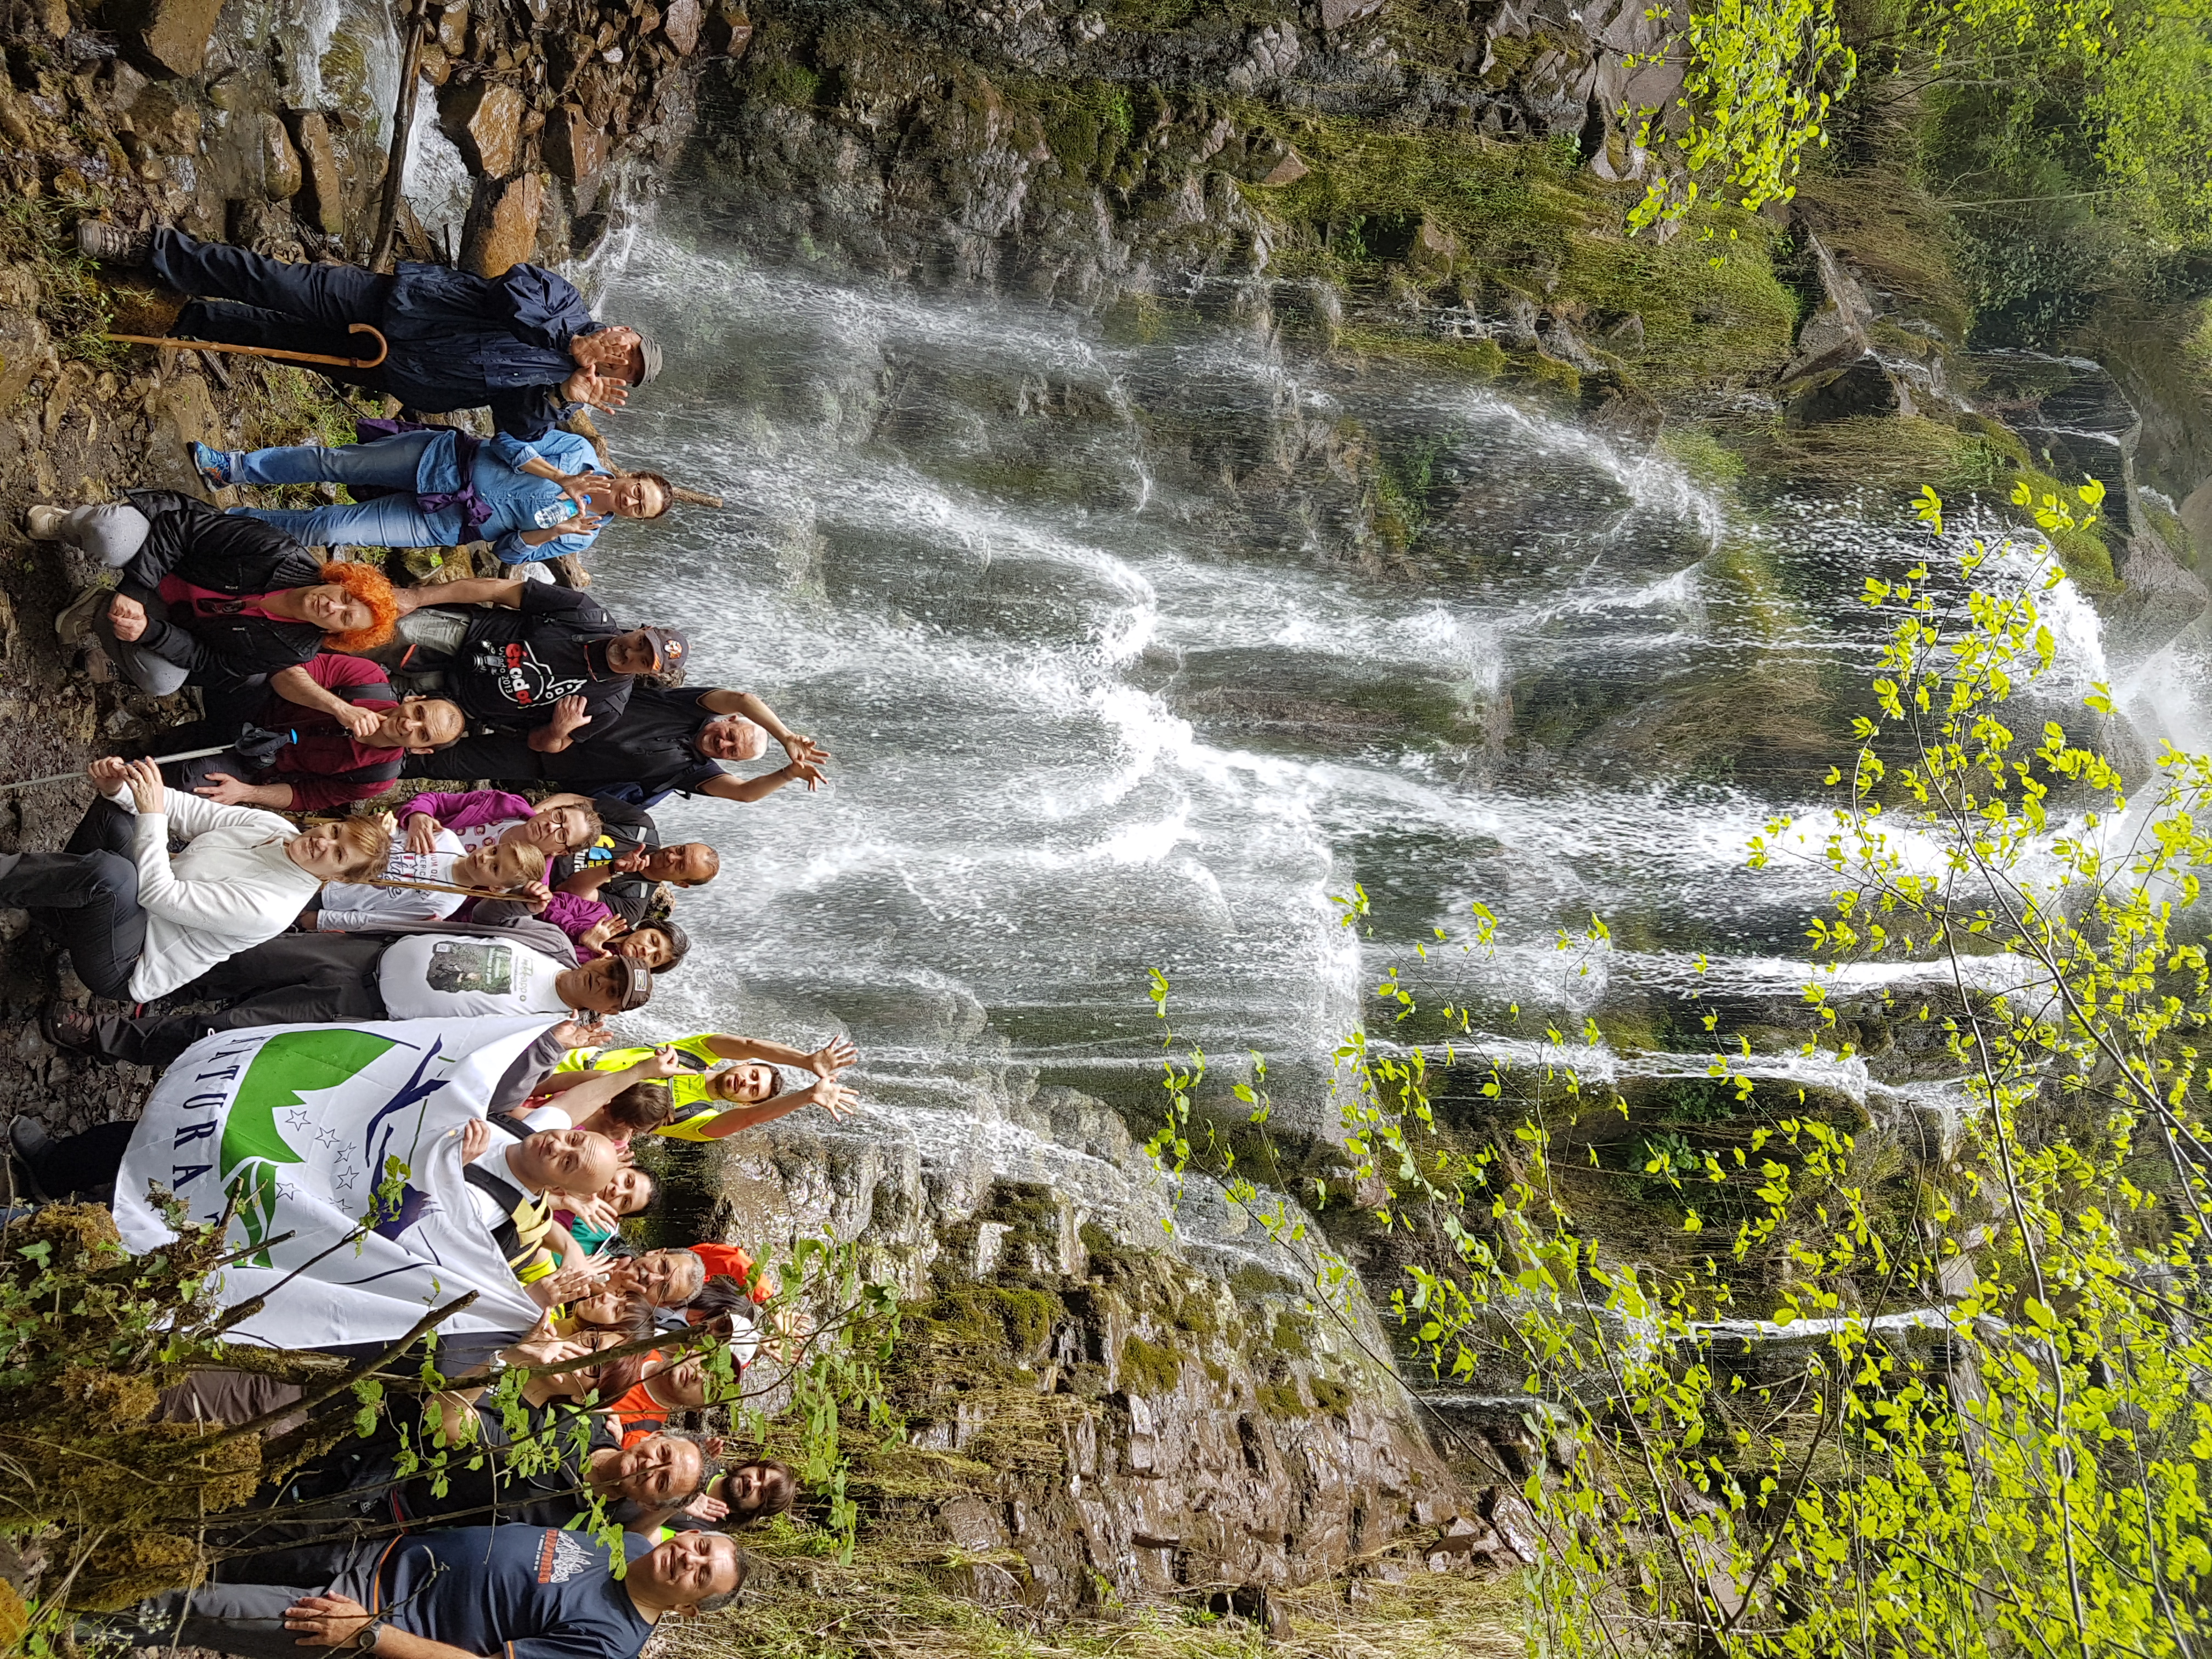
(667, 742)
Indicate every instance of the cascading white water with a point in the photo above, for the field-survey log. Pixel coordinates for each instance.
(1112, 685)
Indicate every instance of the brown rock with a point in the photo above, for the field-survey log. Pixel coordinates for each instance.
(281, 176)
(168, 36)
(435, 67)
(729, 31)
(454, 29)
(575, 148)
(318, 160)
(507, 235)
(484, 118)
(1288, 171)
(56, 18)
(682, 23)
(1336, 14)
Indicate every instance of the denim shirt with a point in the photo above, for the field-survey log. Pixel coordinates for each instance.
(519, 500)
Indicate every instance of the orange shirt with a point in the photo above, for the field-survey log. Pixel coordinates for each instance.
(637, 1413)
(728, 1262)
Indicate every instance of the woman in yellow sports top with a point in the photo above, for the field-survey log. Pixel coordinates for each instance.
(712, 1103)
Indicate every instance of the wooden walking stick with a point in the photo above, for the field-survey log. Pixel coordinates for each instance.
(167, 344)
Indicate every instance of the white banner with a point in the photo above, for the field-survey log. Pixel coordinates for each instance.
(305, 1123)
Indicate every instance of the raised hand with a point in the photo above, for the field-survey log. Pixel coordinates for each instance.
(834, 1098)
(583, 1034)
(359, 722)
(476, 1140)
(659, 1066)
(804, 749)
(570, 1283)
(833, 1057)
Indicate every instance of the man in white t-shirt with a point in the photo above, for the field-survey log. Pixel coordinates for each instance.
(459, 973)
(511, 1180)
(506, 866)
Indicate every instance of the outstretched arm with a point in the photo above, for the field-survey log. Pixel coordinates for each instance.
(832, 1096)
(472, 590)
(731, 786)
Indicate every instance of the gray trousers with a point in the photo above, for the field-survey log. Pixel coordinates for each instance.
(113, 532)
(248, 1618)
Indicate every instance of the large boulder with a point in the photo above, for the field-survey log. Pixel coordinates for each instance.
(575, 148)
(281, 172)
(318, 167)
(1864, 386)
(503, 230)
(169, 36)
(484, 119)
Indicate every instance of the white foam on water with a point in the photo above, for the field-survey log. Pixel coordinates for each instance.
(1067, 679)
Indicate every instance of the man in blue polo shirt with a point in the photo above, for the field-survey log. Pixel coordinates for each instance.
(511, 1592)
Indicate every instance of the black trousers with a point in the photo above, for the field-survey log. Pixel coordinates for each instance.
(294, 979)
(85, 898)
(83, 1166)
(249, 300)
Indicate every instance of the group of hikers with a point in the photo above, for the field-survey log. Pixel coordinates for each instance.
(321, 683)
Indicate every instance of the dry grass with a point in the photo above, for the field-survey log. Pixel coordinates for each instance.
(905, 1597)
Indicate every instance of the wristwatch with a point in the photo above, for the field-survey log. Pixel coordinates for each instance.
(365, 1637)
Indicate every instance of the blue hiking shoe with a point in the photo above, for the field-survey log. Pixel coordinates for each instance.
(216, 465)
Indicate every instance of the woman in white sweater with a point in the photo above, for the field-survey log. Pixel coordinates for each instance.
(138, 923)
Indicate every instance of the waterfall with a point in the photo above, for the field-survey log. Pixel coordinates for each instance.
(1119, 673)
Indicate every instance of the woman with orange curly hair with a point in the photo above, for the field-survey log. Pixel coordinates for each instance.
(213, 599)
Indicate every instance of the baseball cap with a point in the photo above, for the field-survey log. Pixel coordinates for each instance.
(650, 355)
(671, 648)
(636, 985)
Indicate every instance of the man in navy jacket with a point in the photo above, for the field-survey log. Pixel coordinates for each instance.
(524, 344)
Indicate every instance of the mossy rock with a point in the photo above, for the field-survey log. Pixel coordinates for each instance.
(1147, 1368)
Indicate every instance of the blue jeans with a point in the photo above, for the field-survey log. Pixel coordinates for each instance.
(387, 521)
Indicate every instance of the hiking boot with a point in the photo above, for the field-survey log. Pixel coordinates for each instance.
(43, 524)
(75, 624)
(112, 245)
(74, 1032)
(218, 467)
(27, 1141)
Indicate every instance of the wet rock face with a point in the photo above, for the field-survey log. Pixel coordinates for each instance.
(1169, 1414)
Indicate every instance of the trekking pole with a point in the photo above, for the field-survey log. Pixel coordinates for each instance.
(383, 348)
(438, 887)
(158, 760)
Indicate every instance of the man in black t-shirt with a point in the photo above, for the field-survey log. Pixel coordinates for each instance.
(517, 1592)
(626, 881)
(666, 742)
(528, 657)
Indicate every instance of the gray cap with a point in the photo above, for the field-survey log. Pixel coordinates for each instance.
(651, 354)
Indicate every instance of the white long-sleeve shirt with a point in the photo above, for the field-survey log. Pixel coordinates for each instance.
(352, 907)
(231, 888)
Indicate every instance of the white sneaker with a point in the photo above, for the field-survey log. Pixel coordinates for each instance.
(43, 524)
